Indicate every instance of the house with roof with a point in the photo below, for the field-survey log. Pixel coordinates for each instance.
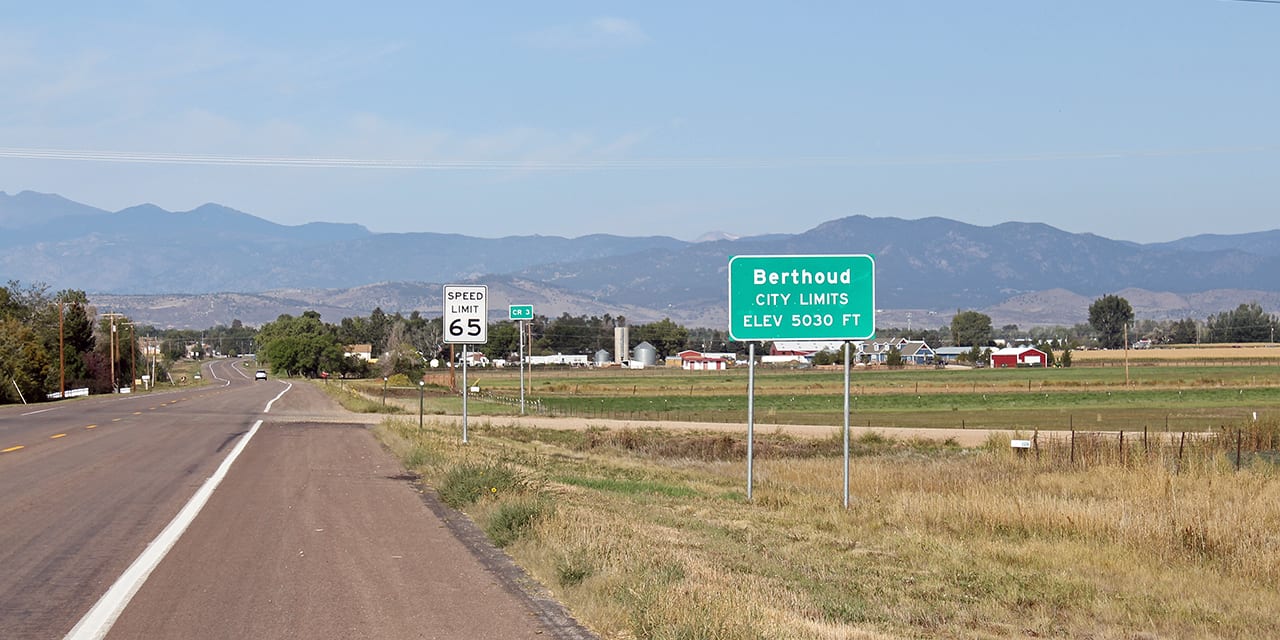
(804, 348)
(1010, 357)
(951, 355)
(691, 360)
(912, 351)
(362, 351)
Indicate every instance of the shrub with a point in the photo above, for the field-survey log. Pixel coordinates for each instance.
(513, 519)
(465, 483)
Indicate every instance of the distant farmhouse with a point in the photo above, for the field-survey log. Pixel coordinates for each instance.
(873, 351)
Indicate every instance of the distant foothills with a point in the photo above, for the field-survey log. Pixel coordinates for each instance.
(214, 265)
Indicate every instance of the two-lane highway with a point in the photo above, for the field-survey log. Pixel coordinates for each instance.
(241, 509)
(85, 485)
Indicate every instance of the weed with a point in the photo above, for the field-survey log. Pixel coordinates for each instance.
(513, 519)
(464, 484)
(572, 568)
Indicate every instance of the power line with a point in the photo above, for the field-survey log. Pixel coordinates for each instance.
(304, 162)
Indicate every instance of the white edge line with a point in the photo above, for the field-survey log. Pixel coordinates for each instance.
(97, 622)
(35, 412)
(273, 400)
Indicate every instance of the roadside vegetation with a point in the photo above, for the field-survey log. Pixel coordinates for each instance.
(355, 401)
(644, 533)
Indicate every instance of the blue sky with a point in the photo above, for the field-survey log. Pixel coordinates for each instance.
(1142, 120)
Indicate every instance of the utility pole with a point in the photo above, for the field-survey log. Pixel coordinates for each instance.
(115, 388)
(62, 352)
(1126, 355)
(133, 356)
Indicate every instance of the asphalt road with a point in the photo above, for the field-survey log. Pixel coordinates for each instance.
(314, 532)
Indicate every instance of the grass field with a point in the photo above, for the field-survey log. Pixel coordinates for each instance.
(1173, 398)
(645, 534)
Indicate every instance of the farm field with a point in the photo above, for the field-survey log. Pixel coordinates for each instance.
(1157, 398)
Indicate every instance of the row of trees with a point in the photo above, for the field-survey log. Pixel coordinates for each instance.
(1111, 320)
(49, 342)
(305, 345)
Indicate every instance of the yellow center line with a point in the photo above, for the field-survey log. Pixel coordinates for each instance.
(115, 419)
(92, 426)
(60, 435)
(137, 413)
(12, 449)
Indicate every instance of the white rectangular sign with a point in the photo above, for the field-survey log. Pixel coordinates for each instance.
(466, 314)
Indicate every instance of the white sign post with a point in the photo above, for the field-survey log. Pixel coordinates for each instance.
(466, 321)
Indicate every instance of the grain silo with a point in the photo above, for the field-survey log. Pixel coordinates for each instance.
(645, 354)
(621, 343)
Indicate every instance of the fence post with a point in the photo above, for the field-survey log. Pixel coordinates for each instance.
(1239, 433)
(1122, 447)
(1035, 442)
(1073, 447)
(1181, 442)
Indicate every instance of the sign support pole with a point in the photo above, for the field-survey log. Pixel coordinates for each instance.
(522, 367)
(751, 414)
(465, 391)
(846, 424)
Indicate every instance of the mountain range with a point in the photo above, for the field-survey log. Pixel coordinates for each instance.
(213, 264)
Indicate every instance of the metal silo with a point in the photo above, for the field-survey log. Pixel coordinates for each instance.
(645, 353)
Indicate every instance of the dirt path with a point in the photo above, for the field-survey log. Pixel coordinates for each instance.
(964, 437)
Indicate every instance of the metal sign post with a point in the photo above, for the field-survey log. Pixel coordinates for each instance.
(466, 391)
(520, 313)
(846, 424)
(521, 367)
(751, 413)
(466, 322)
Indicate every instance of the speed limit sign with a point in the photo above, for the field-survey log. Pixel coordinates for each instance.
(466, 314)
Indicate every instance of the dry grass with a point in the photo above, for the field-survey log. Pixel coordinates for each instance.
(644, 542)
(1183, 353)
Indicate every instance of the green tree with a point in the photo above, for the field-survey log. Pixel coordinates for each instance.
(971, 328)
(1065, 360)
(504, 340)
(1108, 316)
(894, 357)
(1049, 358)
(666, 336)
(829, 356)
(24, 362)
(1183, 332)
(304, 345)
(1247, 323)
(567, 334)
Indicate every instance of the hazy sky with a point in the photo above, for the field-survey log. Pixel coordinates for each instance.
(1142, 120)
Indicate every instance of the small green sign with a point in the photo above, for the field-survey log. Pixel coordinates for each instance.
(806, 297)
(521, 311)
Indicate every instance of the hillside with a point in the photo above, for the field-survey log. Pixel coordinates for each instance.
(216, 263)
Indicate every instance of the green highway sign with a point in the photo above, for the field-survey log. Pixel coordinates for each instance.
(521, 311)
(806, 297)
